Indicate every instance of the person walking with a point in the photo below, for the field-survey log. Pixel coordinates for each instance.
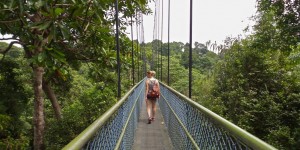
(151, 95)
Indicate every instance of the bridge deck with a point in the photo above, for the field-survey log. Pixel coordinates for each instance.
(152, 136)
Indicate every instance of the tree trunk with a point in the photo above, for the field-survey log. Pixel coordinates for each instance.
(51, 95)
(38, 116)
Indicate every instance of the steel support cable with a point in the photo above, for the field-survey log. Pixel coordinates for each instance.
(168, 80)
(137, 44)
(118, 48)
(191, 42)
(158, 33)
(162, 25)
(141, 41)
(132, 49)
(143, 44)
(154, 36)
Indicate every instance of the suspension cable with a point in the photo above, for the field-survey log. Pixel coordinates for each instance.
(168, 43)
(118, 48)
(162, 25)
(154, 36)
(158, 33)
(137, 44)
(190, 59)
(132, 56)
(143, 42)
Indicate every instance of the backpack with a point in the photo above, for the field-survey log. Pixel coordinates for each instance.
(153, 91)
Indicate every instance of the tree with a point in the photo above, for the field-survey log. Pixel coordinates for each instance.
(14, 99)
(56, 34)
(277, 25)
(260, 93)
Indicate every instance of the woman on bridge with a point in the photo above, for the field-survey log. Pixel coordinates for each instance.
(151, 95)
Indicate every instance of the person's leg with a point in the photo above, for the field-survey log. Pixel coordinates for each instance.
(153, 108)
(149, 107)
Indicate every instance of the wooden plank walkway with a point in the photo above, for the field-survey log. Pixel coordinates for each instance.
(152, 136)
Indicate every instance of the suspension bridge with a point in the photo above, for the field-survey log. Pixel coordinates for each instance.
(181, 123)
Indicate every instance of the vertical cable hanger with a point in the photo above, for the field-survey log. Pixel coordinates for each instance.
(118, 48)
(137, 44)
(141, 45)
(168, 80)
(132, 54)
(190, 46)
(143, 42)
(154, 36)
(158, 43)
(162, 25)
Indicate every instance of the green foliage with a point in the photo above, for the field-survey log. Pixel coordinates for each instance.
(203, 59)
(61, 35)
(278, 25)
(14, 100)
(256, 85)
(259, 93)
(257, 82)
(83, 103)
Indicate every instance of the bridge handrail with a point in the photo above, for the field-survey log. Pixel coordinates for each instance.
(91, 130)
(236, 131)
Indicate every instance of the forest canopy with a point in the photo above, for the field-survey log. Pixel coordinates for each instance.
(64, 75)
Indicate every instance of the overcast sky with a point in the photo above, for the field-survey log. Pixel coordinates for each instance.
(212, 20)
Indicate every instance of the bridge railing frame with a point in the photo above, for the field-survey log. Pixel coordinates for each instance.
(243, 136)
(83, 139)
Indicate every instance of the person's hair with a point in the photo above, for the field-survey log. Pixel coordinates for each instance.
(149, 71)
(153, 73)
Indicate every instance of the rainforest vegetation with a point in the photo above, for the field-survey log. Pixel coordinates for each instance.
(63, 76)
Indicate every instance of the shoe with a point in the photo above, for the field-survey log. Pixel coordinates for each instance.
(152, 119)
(149, 120)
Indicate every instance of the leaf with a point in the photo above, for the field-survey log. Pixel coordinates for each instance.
(52, 34)
(58, 55)
(39, 4)
(41, 57)
(58, 11)
(21, 6)
(58, 52)
(64, 31)
(11, 4)
(44, 25)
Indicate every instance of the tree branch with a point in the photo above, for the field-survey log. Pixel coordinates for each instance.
(86, 13)
(8, 39)
(63, 5)
(8, 48)
(9, 21)
(51, 95)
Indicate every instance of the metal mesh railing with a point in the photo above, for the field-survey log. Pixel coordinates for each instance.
(191, 126)
(116, 128)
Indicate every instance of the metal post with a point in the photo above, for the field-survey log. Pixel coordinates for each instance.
(118, 48)
(191, 42)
